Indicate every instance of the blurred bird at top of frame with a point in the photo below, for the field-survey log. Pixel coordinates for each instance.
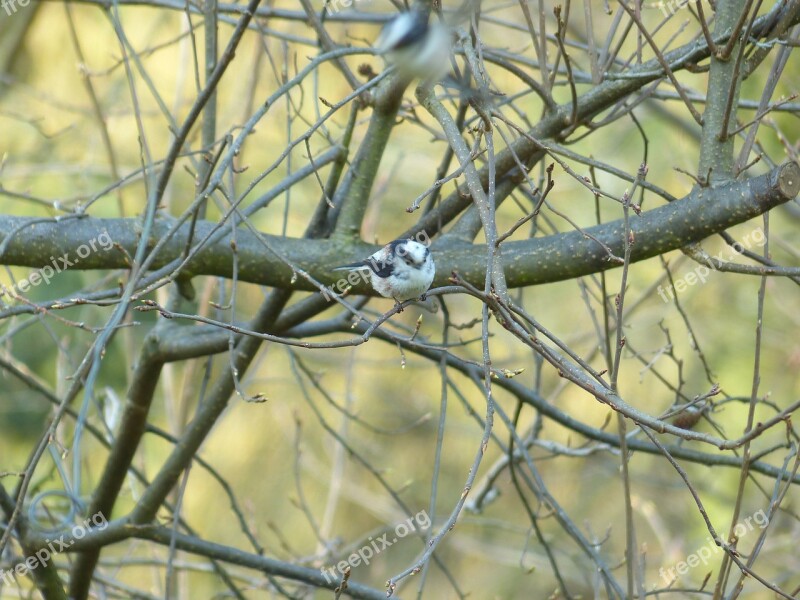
(402, 269)
(417, 48)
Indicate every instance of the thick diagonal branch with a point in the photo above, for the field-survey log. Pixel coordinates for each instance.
(702, 213)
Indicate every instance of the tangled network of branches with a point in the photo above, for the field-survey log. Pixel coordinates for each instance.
(196, 405)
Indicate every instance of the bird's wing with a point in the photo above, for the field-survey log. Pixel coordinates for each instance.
(381, 269)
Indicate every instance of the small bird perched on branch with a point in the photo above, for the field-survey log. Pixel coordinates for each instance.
(417, 48)
(402, 269)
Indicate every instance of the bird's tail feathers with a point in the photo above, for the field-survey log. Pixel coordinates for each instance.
(373, 264)
(351, 267)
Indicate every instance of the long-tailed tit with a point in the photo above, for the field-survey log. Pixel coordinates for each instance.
(417, 49)
(402, 269)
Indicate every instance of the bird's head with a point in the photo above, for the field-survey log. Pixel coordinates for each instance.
(410, 252)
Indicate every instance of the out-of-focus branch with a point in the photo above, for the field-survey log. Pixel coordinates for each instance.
(264, 12)
(122, 529)
(46, 576)
(352, 196)
(716, 147)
